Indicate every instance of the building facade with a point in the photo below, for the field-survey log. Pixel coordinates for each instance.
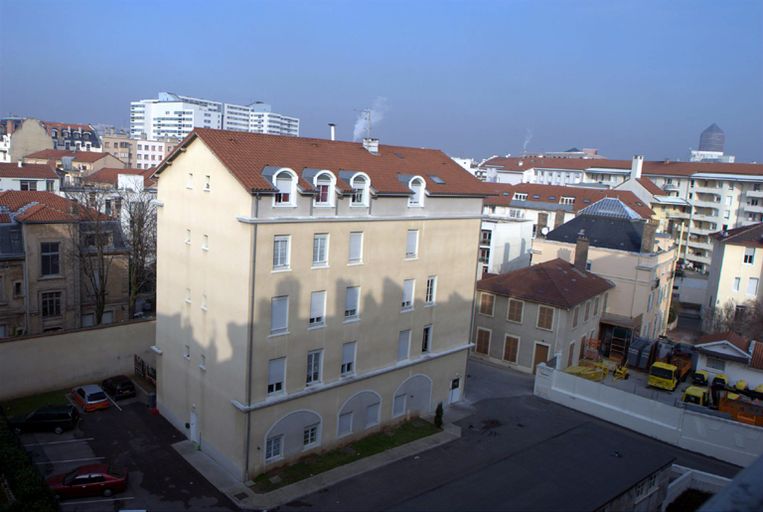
(73, 137)
(720, 196)
(620, 247)
(309, 291)
(20, 137)
(138, 153)
(529, 316)
(174, 115)
(21, 176)
(43, 285)
(735, 273)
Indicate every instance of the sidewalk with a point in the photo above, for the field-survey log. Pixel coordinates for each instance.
(245, 498)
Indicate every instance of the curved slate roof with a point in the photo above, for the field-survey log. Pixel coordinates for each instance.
(607, 232)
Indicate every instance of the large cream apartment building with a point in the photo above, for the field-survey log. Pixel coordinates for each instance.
(309, 291)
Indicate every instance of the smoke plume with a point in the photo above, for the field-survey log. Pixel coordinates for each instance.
(377, 113)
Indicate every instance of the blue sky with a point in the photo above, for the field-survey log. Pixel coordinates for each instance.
(473, 78)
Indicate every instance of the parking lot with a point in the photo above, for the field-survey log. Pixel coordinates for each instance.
(127, 435)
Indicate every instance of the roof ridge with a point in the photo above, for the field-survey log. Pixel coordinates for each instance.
(553, 281)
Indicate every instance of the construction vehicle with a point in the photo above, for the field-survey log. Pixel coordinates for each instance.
(742, 409)
(620, 373)
(700, 378)
(663, 376)
(741, 385)
(696, 395)
(589, 370)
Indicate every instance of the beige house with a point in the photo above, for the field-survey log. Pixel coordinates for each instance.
(619, 246)
(20, 137)
(735, 271)
(531, 315)
(309, 291)
(75, 164)
(43, 285)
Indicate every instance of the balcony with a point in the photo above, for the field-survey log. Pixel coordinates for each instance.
(667, 187)
(707, 189)
(754, 193)
(695, 244)
(702, 231)
(706, 204)
(698, 258)
(753, 209)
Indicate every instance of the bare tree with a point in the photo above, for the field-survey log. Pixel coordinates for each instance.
(745, 319)
(96, 239)
(138, 216)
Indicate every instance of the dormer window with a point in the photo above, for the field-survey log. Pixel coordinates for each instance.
(359, 184)
(285, 183)
(324, 189)
(518, 196)
(418, 188)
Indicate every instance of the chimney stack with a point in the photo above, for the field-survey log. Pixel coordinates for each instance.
(21, 164)
(372, 145)
(636, 165)
(332, 127)
(648, 236)
(581, 251)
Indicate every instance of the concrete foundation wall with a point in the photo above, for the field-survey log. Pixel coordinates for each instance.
(38, 364)
(723, 439)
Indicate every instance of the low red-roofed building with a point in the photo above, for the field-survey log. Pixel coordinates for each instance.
(21, 176)
(75, 164)
(733, 355)
(41, 247)
(531, 315)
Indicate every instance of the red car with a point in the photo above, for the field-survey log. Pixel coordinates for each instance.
(90, 480)
(91, 397)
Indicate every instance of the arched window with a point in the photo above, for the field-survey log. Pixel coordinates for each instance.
(417, 187)
(324, 189)
(285, 181)
(360, 184)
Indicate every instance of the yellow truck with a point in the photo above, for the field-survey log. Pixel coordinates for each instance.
(696, 395)
(663, 376)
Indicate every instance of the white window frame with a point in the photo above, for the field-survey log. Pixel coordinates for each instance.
(426, 338)
(282, 266)
(271, 442)
(359, 259)
(311, 436)
(189, 181)
(314, 373)
(553, 317)
(418, 188)
(399, 399)
(403, 339)
(339, 432)
(365, 190)
(347, 367)
(415, 254)
(750, 282)
(330, 193)
(749, 255)
(317, 238)
(351, 313)
(430, 297)
(479, 305)
(736, 284)
(277, 329)
(407, 305)
(315, 319)
(276, 387)
(207, 184)
(292, 189)
(376, 408)
(715, 363)
(205, 243)
(521, 313)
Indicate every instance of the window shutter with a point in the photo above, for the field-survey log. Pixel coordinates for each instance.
(351, 301)
(411, 242)
(276, 370)
(317, 303)
(283, 184)
(408, 293)
(356, 240)
(279, 311)
(402, 345)
(348, 352)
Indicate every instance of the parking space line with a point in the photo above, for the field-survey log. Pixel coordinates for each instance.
(60, 442)
(69, 460)
(95, 501)
(113, 402)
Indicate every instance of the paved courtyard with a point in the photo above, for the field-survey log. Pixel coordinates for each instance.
(506, 432)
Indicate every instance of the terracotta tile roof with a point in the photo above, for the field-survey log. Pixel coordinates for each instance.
(757, 356)
(247, 154)
(39, 171)
(747, 236)
(5, 218)
(656, 168)
(43, 207)
(110, 175)
(651, 187)
(58, 154)
(584, 197)
(735, 339)
(556, 283)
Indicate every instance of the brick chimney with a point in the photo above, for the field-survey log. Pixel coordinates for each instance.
(581, 251)
(648, 236)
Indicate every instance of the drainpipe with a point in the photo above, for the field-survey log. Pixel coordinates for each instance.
(474, 296)
(250, 340)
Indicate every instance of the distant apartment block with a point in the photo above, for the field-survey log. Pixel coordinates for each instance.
(42, 285)
(74, 137)
(708, 196)
(174, 115)
(309, 291)
(138, 153)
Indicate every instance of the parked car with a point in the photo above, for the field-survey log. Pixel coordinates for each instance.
(50, 418)
(90, 480)
(119, 387)
(91, 397)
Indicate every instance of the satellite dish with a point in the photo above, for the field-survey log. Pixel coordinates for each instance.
(544, 230)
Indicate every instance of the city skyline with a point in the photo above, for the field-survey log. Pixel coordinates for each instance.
(472, 79)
